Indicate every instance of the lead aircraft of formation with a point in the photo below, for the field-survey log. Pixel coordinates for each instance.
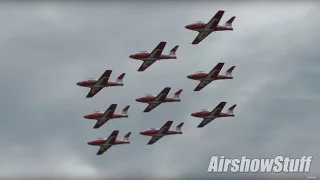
(150, 58)
(205, 29)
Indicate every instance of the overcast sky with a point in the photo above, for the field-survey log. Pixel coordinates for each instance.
(46, 48)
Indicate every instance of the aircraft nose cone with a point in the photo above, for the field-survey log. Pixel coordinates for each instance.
(89, 143)
(141, 133)
(187, 26)
(86, 116)
(78, 83)
(192, 114)
(189, 76)
(131, 56)
(137, 99)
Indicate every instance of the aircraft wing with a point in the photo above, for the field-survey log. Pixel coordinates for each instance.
(158, 50)
(213, 114)
(102, 81)
(154, 139)
(146, 64)
(112, 138)
(210, 76)
(165, 128)
(162, 132)
(93, 91)
(215, 71)
(99, 123)
(109, 142)
(202, 84)
(156, 53)
(211, 25)
(109, 112)
(163, 94)
(103, 149)
(217, 110)
(151, 106)
(106, 116)
(201, 36)
(157, 101)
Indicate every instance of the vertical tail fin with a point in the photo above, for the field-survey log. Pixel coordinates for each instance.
(177, 94)
(229, 71)
(229, 22)
(230, 110)
(125, 110)
(120, 78)
(126, 137)
(172, 52)
(178, 128)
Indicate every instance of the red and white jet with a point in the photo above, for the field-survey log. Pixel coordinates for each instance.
(150, 58)
(105, 116)
(215, 113)
(106, 143)
(102, 82)
(160, 98)
(163, 131)
(207, 78)
(206, 29)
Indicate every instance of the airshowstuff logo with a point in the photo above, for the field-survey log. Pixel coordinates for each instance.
(276, 165)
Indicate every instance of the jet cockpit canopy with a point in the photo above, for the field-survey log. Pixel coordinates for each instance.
(143, 51)
(199, 72)
(91, 79)
(204, 109)
(149, 95)
(199, 22)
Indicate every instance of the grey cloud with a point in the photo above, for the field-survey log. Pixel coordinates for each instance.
(52, 46)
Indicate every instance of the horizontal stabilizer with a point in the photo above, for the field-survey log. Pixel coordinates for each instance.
(229, 22)
(230, 110)
(179, 126)
(120, 78)
(126, 137)
(177, 94)
(229, 71)
(125, 110)
(173, 51)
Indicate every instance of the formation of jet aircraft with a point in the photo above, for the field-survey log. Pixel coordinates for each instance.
(96, 85)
